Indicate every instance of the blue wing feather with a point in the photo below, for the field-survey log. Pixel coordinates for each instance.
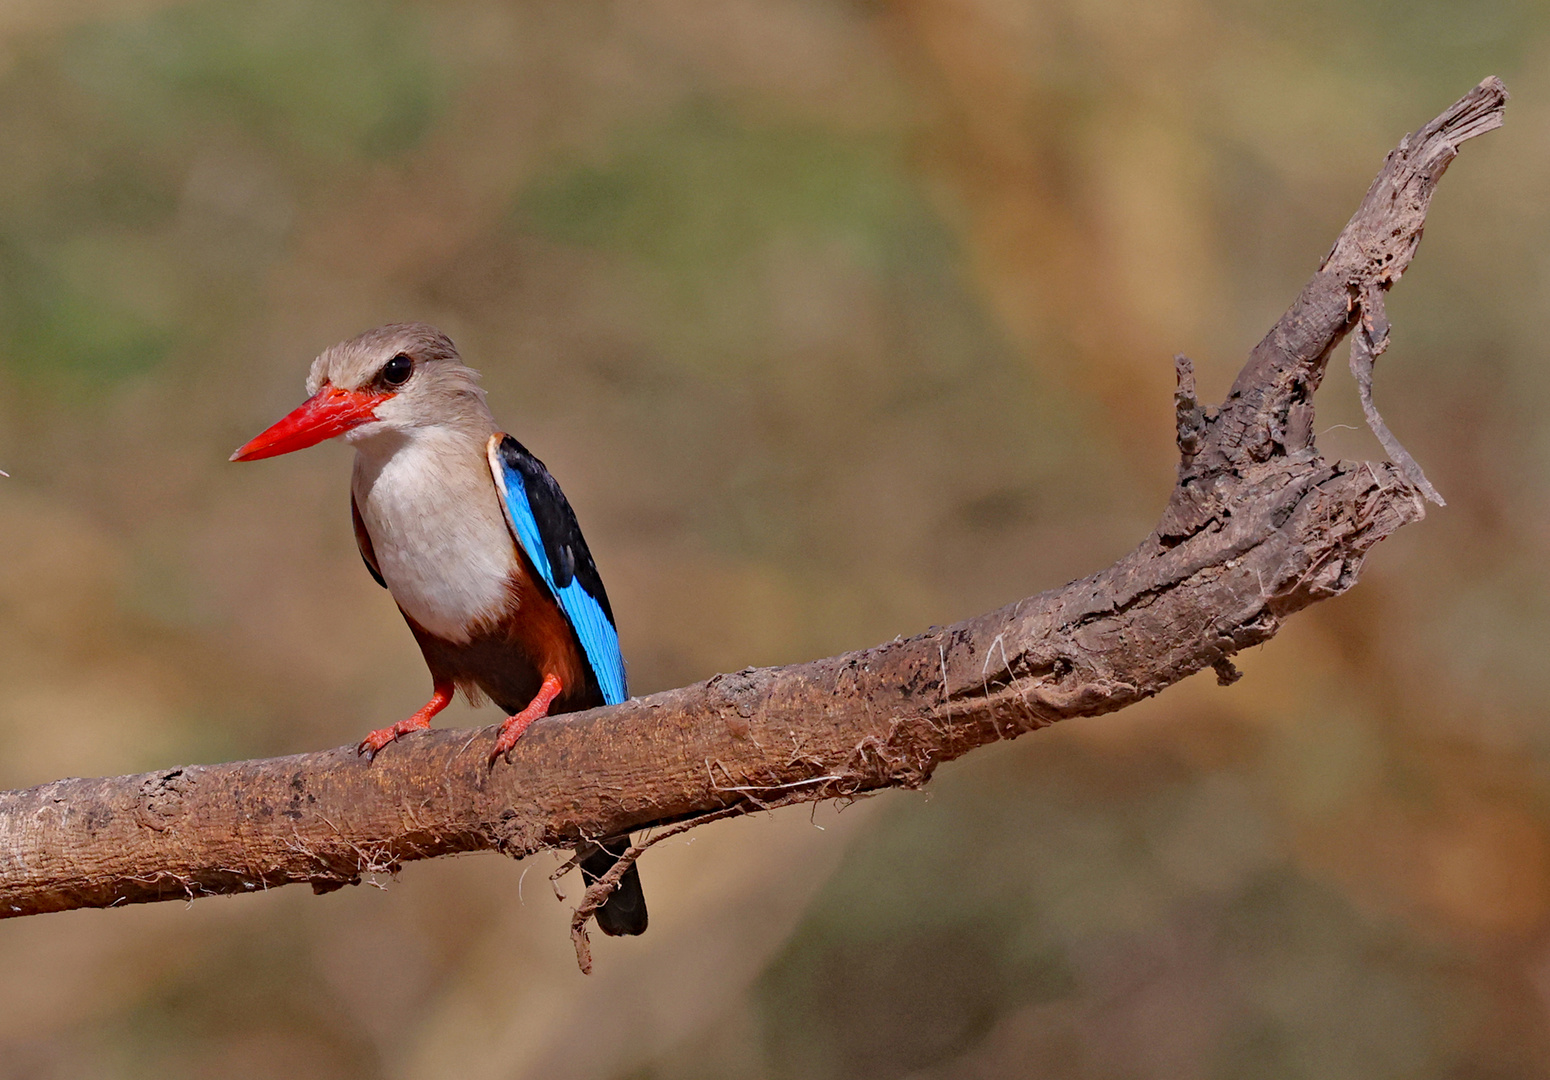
(545, 526)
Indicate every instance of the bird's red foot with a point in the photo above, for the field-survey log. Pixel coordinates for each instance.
(420, 720)
(514, 726)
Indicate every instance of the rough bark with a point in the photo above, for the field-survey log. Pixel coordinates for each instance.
(1258, 527)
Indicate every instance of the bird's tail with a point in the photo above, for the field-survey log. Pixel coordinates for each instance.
(625, 911)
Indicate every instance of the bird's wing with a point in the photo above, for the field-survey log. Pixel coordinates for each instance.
(545, 526)
(363, 541)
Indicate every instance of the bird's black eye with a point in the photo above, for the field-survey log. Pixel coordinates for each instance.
(397, 370)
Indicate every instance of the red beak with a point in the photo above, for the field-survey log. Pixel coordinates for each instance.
(327, 413)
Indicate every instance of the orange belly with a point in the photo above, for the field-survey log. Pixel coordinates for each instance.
(507, 658)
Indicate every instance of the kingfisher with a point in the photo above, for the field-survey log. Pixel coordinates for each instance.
(475, 541)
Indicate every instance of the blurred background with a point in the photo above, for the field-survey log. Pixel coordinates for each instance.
(836, 320)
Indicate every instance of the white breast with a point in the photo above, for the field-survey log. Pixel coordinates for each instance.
(437, 528)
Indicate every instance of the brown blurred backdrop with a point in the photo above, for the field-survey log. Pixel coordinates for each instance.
(836, 321)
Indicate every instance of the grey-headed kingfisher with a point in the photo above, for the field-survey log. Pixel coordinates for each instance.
(474, 540)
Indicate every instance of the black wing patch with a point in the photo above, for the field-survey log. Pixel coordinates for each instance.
(566, 548)
(363, 541)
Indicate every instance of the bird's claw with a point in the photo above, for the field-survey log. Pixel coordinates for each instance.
(373, 743)
(511, 731)
(514, 726)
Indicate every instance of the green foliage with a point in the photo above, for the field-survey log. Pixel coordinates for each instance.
(101, 256)
(1436, 43)
(54, 323)
(707, 190)
(334, 79)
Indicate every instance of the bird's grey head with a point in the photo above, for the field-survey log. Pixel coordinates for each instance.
(417, 369)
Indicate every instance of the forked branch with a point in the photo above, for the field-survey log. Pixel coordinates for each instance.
(1259, 526)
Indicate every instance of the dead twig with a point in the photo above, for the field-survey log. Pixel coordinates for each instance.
(599, 891)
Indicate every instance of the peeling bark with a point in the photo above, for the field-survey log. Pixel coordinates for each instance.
(1259, 526)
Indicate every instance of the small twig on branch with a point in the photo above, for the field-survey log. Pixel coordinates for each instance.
(1258, 526)
(1367, 344)
(1189, 418)
(600, 890)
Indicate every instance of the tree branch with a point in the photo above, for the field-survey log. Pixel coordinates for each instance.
(1258, 527)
